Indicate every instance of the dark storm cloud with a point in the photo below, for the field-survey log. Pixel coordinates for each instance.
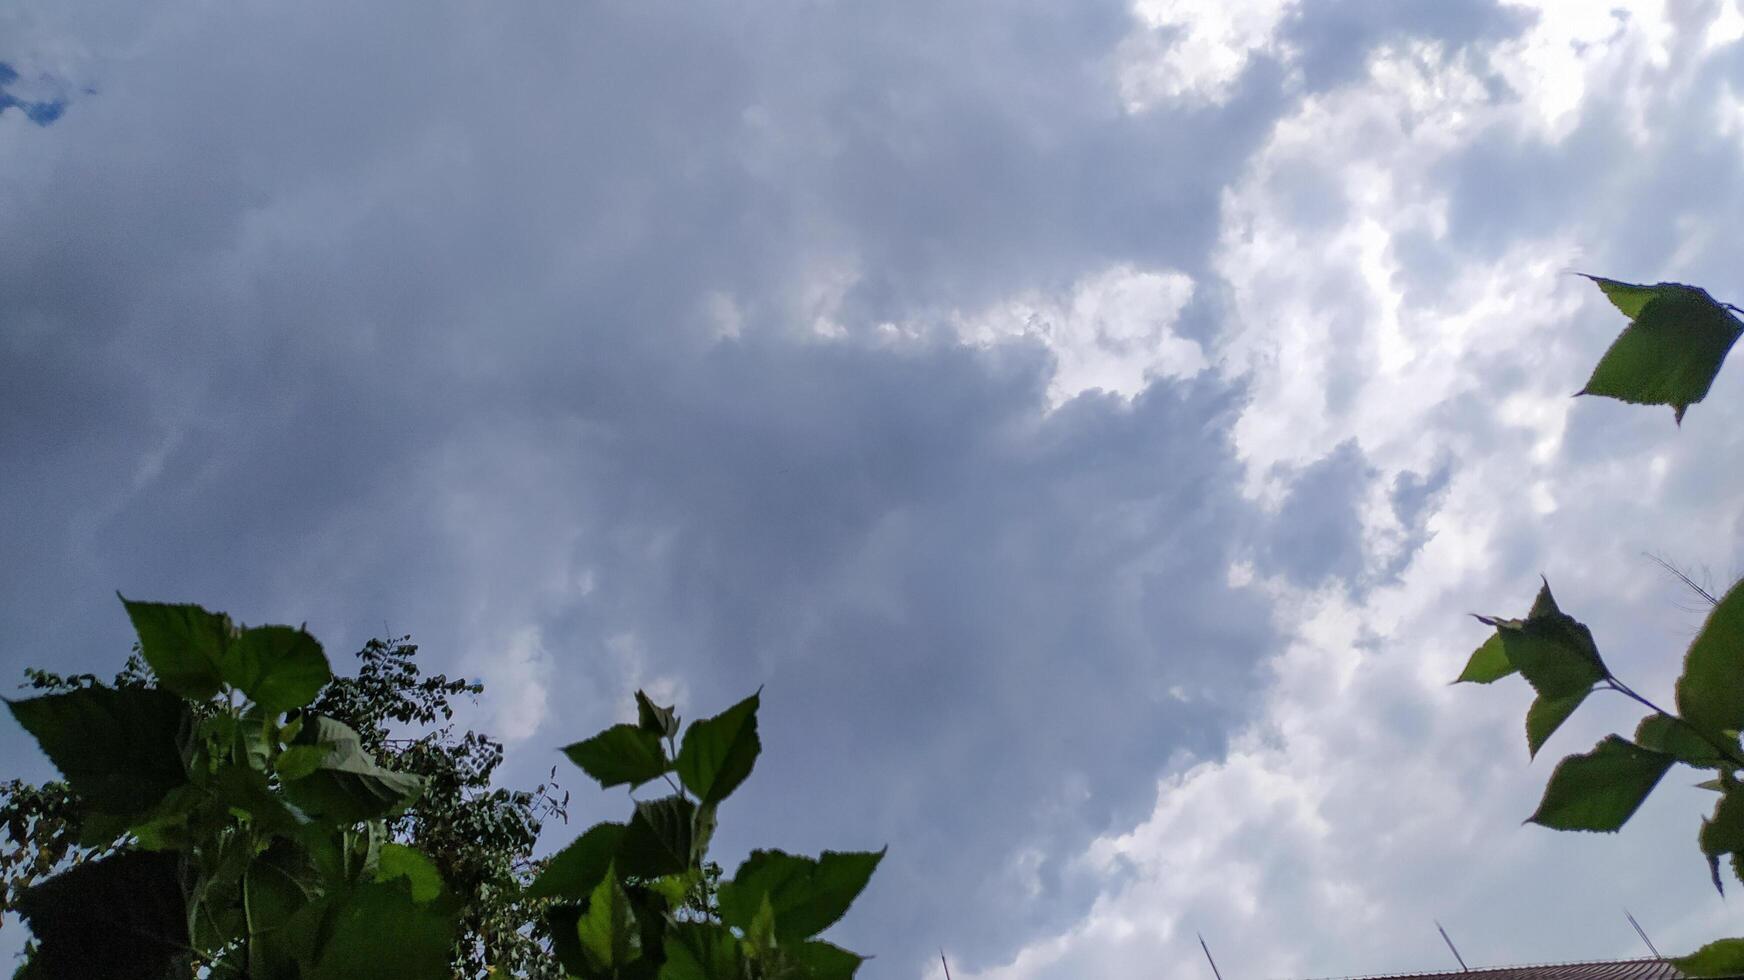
(397, 318)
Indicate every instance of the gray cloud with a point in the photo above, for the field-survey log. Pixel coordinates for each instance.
(411, 318)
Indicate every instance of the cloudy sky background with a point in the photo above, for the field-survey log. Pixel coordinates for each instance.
(1090, 421)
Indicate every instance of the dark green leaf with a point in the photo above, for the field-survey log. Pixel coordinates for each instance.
(184, 645)
(560, 922)
(1670, 352)
(1724, 958)
(654, 719)
(1663, 733)
(121, 750)
(823, 961)
(701, 951)
(718, 753)
(121, 917)
(1488, 664)
(1547, 715)
(348, 785)
(279, 668)
(1602, 789)
(1709, 695)
(574, 871)
(658, 840)
(377, 929)
(620, 754)
(1552, 650)
(807, 895)
(607, 928)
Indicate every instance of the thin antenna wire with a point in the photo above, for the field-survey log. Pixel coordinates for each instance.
(1450, 945)
(946, 965)
(1208, 958)
(1643, 934)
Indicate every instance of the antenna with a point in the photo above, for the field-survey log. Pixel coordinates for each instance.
(1208, 958)
(1643, 934)
(1451, 946)
(947, 966)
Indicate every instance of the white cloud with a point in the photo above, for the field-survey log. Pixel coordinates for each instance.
(1112, 332)
(1368, 797)
(1194, 52)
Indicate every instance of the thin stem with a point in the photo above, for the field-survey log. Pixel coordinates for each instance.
(1727, 752)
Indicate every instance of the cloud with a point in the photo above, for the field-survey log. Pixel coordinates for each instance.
(1093, 490)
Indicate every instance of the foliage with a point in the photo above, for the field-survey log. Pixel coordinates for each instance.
(1669, 354)
(229, 809)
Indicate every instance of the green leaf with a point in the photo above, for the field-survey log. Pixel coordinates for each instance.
(121, 917)
(1602, 789)
(1627, 297)
(718, 753)
(420, 873)
(1552, 650)
(184, 644)
(1670, 352)
(823, 961)
(701, 951)
(658, 839)
(573, 872)
(121, 750)
(607, 928)
(298, 761)
(807, 895)
(348, 785)
(1723, 958)
(654, 719)
(278, 667)
(1489, 663)
(1663, 733)
(377, 929)
(620, 754)
(1545, 716)
(1709, 695)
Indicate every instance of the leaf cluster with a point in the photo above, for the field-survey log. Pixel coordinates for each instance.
(230, 809)
(1669, 354)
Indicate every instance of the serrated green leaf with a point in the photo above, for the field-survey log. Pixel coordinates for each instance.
(1709, 695)
(121, 750)
(1545, 716)
(1627, 297)
(1601, 790)
(607, 928)
(621, 754)
(1663, 733)
(807, 895)
(184, 644)
(348, 785)
(655, 720)
(1554, 651)
(658, 839)
(278, 667)
(1723, 958)
(1489, 663)
(575, 871)
(718, 753)
(1671, 350)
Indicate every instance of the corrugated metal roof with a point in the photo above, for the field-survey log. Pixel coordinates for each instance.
(1608, 970)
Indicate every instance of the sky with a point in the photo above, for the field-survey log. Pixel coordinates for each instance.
(1089, 423)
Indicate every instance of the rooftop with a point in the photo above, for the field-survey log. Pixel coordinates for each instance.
(1606, 970)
